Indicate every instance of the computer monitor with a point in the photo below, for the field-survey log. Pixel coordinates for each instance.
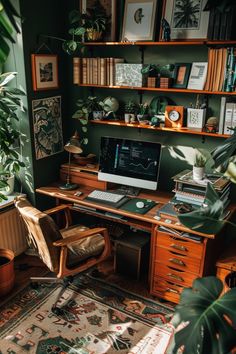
(129, 162)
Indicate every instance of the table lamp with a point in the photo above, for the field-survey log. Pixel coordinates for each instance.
(73, 146)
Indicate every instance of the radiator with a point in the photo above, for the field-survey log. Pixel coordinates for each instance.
(12, 231)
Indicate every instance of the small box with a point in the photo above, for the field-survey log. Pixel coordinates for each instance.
(165, 82)
(130, 75)
(151, 82)
(196, 118)
(132, 254)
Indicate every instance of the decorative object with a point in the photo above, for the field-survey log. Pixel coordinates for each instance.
(101, 319)
(196, 118)
(130, 75)
(48, 138)
(73, 147)
(139, 20)
(44, 71)
(199, 166)
(165, 30)
(174, 116)
(197, 76)
(130, 111)
(110, 106)
(142, 114)
(211, 125)
(7, 274)
(165, 82)
(151, 81)
(187, 19)
(181, 75)
(110, 12)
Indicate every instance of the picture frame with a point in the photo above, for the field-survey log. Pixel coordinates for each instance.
(44, 71)
(110, 7)
(181, 75)
(197, 22)
(139, 20)
(197, 77)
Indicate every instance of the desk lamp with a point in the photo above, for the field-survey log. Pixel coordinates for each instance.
(73, 146)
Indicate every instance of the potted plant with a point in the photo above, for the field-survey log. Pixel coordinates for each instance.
(10, 160)
(130, 111)
(199, 166)
(95, 21)
(142, 114)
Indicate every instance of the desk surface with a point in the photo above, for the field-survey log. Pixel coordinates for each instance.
(146, 221)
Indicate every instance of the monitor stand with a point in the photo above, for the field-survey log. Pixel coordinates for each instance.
(128, 190)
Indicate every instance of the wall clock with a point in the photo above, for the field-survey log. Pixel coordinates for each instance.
(174, 116)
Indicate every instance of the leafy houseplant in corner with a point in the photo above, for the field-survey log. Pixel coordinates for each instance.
(199, 167)
(10, 103)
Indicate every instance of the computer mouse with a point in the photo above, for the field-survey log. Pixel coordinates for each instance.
(140, 205)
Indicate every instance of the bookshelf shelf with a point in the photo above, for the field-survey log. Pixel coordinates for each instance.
(143, 126)
(160, 89)
(171, 43)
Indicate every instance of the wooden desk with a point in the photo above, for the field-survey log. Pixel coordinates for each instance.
(175, 261)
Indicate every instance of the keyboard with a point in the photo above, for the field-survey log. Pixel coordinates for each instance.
(106, 197)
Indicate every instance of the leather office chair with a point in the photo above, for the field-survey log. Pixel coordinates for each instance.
(65, 252)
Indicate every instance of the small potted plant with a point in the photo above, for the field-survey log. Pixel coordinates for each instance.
(130, 111)
(199, 167)
(142, 115)
(95, 21)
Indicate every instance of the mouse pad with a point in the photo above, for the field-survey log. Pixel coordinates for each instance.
(130, 205)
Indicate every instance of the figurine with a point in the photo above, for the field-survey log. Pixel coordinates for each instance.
(166, 30)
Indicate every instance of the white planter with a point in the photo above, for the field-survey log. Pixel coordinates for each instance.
(129, 117)
(98, 115)
(198, 173)
(10, 188)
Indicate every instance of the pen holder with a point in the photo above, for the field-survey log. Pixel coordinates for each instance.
(196, 118)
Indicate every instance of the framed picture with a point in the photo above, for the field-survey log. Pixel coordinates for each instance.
(181, 75)
(197, 76)
(186, 22)
(139, 20)
(44, 71)
(48, 138)
(109, 7)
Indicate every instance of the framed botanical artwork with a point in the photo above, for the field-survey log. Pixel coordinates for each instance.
(139, 20)
(109, 8)
(197, 77)
(187, 19)
(48, 138)
(181, 75)
(44, 71)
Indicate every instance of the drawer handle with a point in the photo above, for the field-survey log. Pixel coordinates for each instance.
(173, 291)
(178, 247)
(177, 261)
(174, 276)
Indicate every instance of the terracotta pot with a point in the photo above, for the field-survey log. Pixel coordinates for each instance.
(7, 274)
(93, 35)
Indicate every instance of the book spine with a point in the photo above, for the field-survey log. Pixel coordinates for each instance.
(210, 29)
(99, 71)
(234, 116)
(230, 74)
(84, 71)
(103, 71)
(228, 118)
(222, 114)
(217, 21)
(76, 70)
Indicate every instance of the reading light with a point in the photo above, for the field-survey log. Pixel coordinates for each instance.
(73, 147)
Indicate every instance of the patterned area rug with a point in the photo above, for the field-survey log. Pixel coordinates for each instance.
(96, 318)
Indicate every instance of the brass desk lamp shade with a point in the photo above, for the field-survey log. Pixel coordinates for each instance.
(73, 147)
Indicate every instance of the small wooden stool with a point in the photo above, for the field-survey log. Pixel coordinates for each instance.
(226, 267)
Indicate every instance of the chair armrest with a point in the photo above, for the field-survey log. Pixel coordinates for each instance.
(62, 207)
(80, 235)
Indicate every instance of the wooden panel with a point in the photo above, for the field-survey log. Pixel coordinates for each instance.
(179, 245)
(173, 274)
(166, 289)
(179, 261)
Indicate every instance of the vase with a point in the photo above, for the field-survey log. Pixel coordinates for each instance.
(198, 173)
(7, 274)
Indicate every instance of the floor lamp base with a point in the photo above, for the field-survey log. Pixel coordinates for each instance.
(68, 186)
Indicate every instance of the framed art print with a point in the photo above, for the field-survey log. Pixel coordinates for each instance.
(44, 71)
(197, 76)
(181, 75)
(186, 22)
(109, 8)
(139, 20)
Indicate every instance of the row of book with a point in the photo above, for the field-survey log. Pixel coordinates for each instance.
(221, 69)
(95, 71)
(221, 23)
(227, 117)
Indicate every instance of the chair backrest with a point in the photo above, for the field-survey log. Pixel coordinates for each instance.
(43, 231)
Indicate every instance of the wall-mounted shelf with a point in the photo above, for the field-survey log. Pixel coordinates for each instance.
(161, 89)
(171, 43)
(144, 126)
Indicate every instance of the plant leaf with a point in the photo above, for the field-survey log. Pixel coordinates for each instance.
(209, 318)
(69, 46)
(222, 153)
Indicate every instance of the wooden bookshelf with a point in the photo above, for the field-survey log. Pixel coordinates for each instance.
(162, 43)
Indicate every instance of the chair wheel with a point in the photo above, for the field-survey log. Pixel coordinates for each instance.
(34, 285)
(57, 311)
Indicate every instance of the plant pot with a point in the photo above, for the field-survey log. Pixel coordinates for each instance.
(10, 188)
(93, 35)
(198, 173)
(98, 115)
(129, 117)
(7, 274)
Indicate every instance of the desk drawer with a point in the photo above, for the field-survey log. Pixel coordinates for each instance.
(166, 290)
(170, 273)
(177, 260)
(179, 245)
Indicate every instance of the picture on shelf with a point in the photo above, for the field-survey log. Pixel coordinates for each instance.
(181, 75)
(197, 76)
(186, 18)
(48, 138)
(139, 20)
(109, 7)
(44, 71)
